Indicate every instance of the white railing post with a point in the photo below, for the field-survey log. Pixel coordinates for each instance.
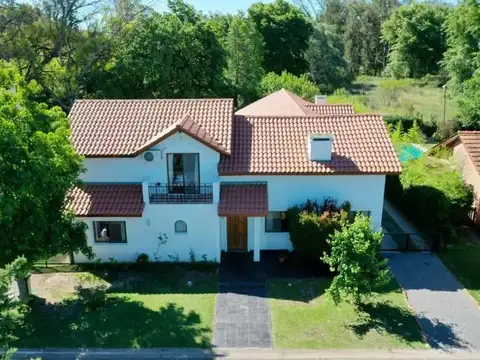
(216, 192)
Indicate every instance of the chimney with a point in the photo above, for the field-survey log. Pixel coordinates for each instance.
(320, 99)
(320, 147)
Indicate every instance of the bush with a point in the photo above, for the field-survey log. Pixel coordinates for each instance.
(311, 224)
(407, 122)
(19, 268)
(299, 85)
(355, 257)
(432, 194)
(142, 259)
(92, 298)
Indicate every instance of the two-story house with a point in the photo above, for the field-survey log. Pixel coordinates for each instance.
(212, 180)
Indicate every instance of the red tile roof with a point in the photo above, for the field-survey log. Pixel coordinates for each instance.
(245, 199)
(105, 128)
(279, 103)
(89, 200)
(471, 141)
(328, 109)
(278, 145)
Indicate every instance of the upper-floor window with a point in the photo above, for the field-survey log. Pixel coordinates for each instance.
(183, 173)
(276, 221)
(110, 231)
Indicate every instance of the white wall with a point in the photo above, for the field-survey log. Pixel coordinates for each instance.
(364, 192)
(202, 237)
(135, 170)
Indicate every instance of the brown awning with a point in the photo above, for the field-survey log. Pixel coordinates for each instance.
(118, 200)
(248, 199)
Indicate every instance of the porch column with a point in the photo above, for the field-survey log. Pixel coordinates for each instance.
(146, 197)
(257, 226)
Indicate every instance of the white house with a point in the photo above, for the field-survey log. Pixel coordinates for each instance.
(209, 180)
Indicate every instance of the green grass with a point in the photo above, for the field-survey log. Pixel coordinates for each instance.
(464, 262)
(398, 97)
(303, 317)
(158, 310)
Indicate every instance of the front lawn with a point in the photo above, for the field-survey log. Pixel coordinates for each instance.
(304, 317)
(464, 262)
(167, 306)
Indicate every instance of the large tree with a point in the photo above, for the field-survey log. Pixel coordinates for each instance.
(463, 39)
(38, 166)
(285, 30)
(245, 56)
(169, 55)
(416, 36)
(327, 65)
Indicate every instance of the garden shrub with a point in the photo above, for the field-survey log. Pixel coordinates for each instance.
(142, 259)
(311, 224)
(93, 297)
(407, 122)
(432, 194)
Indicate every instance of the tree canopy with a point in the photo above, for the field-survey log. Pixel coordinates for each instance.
(300, 85)
(38, 166)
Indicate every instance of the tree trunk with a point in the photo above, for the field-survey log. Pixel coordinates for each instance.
(72, 258)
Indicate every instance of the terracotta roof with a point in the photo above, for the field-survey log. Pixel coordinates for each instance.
(471, 141)
(245, 199)
(106, 200)
(337, 109)
(105, 128)
(278, 145)
(189, 127)
(279, 103)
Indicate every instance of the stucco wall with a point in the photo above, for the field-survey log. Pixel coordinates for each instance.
(135, 170)
(469, 172)
(203, 235)
(365, 192)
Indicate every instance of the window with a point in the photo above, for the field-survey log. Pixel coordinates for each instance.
(353, 213)
(183, 173)
(276, 221)
(180, 227)
(110, 231)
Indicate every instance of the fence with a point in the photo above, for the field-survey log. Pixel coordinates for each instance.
(412, 242)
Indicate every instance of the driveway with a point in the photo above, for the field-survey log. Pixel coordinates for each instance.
(449, 317)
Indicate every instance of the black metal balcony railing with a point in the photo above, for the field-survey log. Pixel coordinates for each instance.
(180, 194)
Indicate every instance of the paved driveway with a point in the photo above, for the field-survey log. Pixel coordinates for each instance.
(447, 314)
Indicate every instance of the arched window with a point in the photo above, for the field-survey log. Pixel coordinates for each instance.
(180, 227)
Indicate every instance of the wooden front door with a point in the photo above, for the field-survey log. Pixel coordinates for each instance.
(237, 233)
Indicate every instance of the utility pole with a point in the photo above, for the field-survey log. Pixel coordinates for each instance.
(444, 105)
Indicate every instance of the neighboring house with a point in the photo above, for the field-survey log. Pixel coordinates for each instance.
(466, 152)
(215, 181)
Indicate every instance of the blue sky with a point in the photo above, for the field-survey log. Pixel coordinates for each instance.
(224, 6)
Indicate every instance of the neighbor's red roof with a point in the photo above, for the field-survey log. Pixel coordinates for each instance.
(89, 200)
(243, 199)
(273, 145)
(471, 141)
(105, 128)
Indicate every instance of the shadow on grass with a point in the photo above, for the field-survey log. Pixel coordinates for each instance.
(120, 323)
(387, 318)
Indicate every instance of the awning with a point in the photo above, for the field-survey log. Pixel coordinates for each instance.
(243, 199)
(102, 200)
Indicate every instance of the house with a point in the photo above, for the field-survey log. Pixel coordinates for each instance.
(466, 152)
(209, 180)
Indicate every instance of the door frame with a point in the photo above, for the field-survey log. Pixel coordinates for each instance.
(245, 236)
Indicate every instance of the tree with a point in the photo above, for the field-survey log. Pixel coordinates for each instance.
(285, 30)
(38, 167)
(416, 36)
(299, 85)
(327, 66)
(463, 39)
(170, 55)
(245, 56)
(355, 257)
(469, 102)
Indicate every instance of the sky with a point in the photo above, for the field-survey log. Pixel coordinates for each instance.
(223, 6)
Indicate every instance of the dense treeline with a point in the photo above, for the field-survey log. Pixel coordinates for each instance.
(126, 49)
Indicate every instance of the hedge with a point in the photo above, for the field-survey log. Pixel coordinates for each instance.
(407, 123)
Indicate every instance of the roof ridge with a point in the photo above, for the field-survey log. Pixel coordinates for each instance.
(310, 116)
(154, 100)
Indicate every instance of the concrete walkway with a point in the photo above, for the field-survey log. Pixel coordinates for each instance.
(404, 224)
(225, 354)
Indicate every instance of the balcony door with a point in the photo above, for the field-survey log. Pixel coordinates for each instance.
(183, 173)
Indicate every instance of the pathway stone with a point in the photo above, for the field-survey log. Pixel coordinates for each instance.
(447, 314)
(242, 316)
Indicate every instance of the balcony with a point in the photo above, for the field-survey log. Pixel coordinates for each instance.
(180, 194)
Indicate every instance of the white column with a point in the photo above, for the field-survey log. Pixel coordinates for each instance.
(257, 226)
(146, 197)
(216, 192)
